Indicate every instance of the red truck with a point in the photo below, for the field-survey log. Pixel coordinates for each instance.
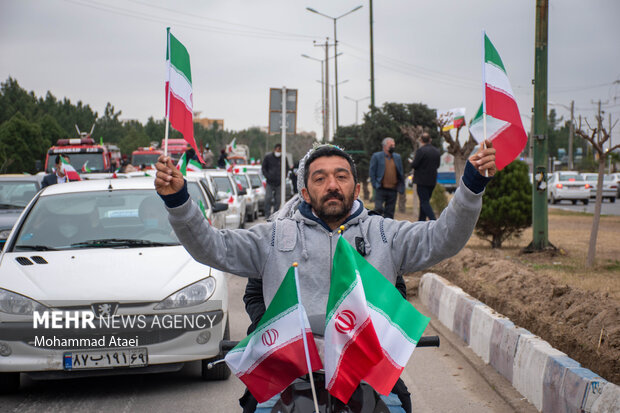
(176, 148)
(85, 156)
(145, 158)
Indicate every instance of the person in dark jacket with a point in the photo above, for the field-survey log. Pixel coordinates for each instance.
(56, 177)
(271, 169)
(425, 164)
(221, 162)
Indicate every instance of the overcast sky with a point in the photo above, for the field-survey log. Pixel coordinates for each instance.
(425, 51)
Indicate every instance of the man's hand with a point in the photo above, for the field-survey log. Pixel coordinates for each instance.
(169, 180)
(484, 159)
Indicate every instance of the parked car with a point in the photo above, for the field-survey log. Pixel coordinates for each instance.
(258, 187)
(251, 199)
(610, 187)
(99, 251)
(198, 189)
(16, 191)
(224, 187)
(616, 178)
(568, 185)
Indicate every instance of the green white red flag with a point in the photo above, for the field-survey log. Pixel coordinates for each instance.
(273, 356)
(70, 172)
(179, 92)
(193, 165)
(231, 146)
(503, 121)
(454, 118)
(370, 331)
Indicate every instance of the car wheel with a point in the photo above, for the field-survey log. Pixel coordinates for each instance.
(256, 214)
(574, 202)
(586, 201)
(220, 371)
(553, 200)
(9, 383)
(612, 199)
(250, 217)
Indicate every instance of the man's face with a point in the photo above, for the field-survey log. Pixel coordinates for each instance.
(389, 144)
(331, 188)
(278, 149)
(60, 171)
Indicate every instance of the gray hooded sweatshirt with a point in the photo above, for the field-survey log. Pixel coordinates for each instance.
(268, 250)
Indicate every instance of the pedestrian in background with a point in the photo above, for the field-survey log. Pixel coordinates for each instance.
(271, 168)
(387, 177)
(56, 177)
(425, 164)
(208, 157)
(221, 162)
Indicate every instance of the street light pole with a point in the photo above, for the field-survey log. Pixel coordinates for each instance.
(356, 104)
(372, 65)
(322, 92)
(336, 119)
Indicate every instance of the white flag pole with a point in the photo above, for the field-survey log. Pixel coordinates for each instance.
(168, 92)
(302, 311)
(484, 99)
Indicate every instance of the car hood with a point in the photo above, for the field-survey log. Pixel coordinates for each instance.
(129, 275)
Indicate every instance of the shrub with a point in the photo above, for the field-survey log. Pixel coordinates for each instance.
(506, 205)
(439, 199)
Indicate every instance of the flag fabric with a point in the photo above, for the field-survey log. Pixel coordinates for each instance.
(503, 121)
(455, 118)
(193, 165)
(273, 356)
(396, 324)
(179, 92)
(352, 348)
(70, 172)
(232, 145)
(85, 168)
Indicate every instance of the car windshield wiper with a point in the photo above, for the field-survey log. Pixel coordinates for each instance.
(35, 248)
(121, 242)
(7, 206)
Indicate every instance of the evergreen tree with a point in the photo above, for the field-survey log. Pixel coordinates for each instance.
(506, 205)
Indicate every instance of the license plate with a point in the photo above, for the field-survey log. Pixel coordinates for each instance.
(102, 359)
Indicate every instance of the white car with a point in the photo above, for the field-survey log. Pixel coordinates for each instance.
(610, 187)
(616, 179)
(568, 185)
(251, 198)
(94, 281)
(258, 186)
(198, 189)
(224, 187)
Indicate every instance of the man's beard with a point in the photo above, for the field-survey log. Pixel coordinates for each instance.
(332, 213)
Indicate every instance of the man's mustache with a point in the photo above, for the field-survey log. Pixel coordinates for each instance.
(333, 195)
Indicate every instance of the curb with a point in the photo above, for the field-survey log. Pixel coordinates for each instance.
(548, 378)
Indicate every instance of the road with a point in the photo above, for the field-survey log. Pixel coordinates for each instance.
(607, 208)
(446, 379)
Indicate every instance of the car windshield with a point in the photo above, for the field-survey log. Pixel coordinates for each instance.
(82, 162)
(144, 159)
(255, 179)
(222, 184)
(17, 193)
(102, 219)
(569, 178)
(242, 180)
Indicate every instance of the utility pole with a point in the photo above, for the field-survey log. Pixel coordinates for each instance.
(326, 94)
(571, 135)
(372, 65)
(540, 219)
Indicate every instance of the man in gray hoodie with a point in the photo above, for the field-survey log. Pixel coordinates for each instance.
(308, 234)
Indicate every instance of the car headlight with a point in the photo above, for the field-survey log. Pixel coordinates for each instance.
(4, 234)
(13, 303)
(193, 294)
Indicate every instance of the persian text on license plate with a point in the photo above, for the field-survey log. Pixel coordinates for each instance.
(109, 358)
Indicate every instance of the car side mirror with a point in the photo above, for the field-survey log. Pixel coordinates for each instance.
(220, 206)
(242, 192)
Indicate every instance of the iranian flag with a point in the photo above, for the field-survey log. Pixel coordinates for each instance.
(352, 347)
(179, 95)
(503, 121)
(281, 348)
(193, 165)
(231, 146)
(394, 327)
(70, 172)
(455, 118)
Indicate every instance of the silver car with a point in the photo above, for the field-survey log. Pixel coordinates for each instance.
(568, 185)
(610, 187)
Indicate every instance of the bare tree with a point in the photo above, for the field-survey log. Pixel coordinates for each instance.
(460, 152)
(597, 138)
